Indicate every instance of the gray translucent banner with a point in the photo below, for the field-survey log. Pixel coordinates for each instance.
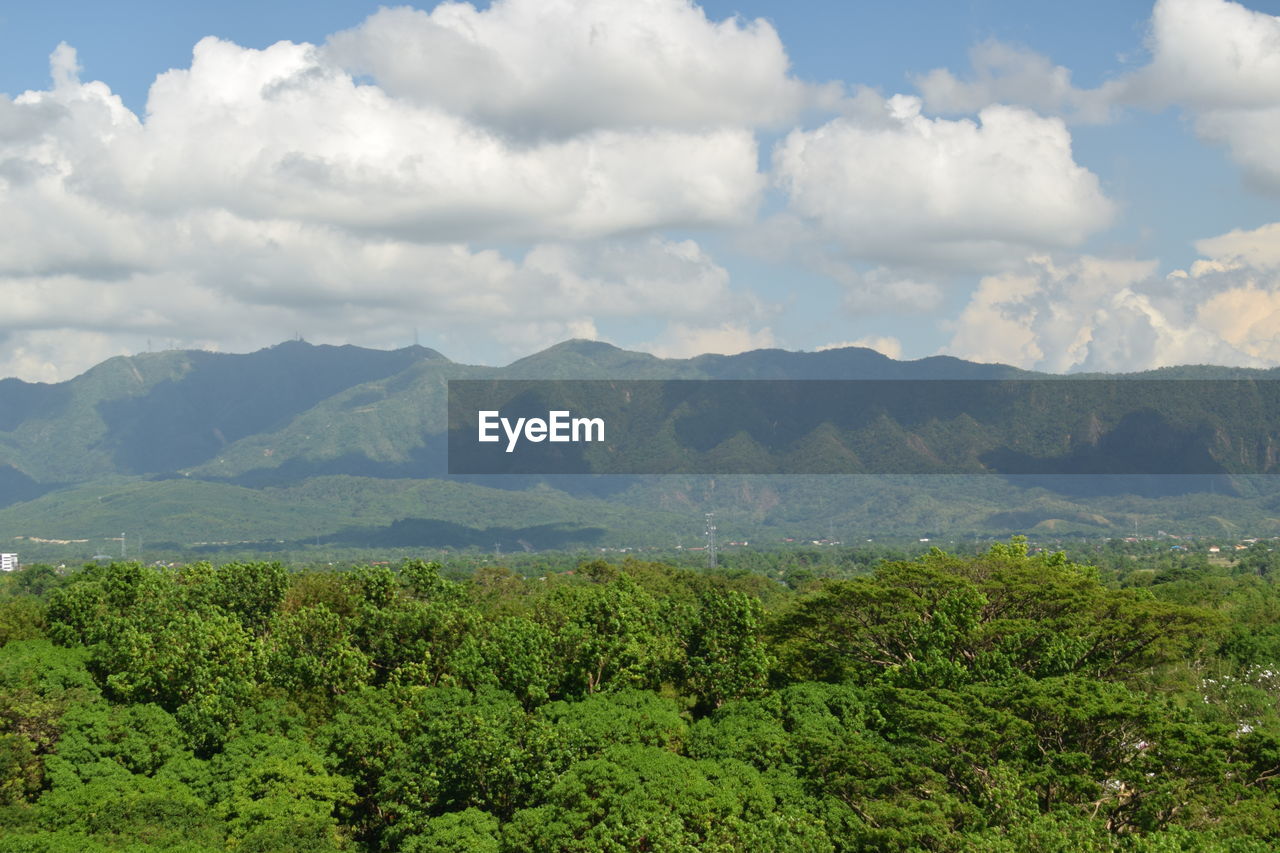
(1041, 427)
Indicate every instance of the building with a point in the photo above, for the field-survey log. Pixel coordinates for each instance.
(8, 562)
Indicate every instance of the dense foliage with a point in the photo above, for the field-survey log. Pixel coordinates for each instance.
(998, 702)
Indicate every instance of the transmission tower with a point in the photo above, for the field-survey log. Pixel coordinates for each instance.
(711, 540)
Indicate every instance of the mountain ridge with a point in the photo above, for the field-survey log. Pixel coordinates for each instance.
(270, 428)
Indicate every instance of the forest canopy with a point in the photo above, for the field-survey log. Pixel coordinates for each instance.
(1003, 701)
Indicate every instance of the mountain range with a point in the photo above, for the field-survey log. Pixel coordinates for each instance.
(301, 446)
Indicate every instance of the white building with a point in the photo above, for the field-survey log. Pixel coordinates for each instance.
(8, 562)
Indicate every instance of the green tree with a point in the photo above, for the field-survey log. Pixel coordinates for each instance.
(252, 592)
(311, 650)
(103, 741)
(514, 653)
(644, 798)
(202, 666)
(39, 684)
(276, 793)
(945, 621)
(407, 638)
(128, 812)
(610, 635)
(587, 727)
(467, 831)
(726, 658)
(466, 750)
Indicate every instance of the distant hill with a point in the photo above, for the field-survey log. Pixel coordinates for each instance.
(159, 413)
(316, 443)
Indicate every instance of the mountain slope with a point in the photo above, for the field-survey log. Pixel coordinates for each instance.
(160, 412)
(342, 445)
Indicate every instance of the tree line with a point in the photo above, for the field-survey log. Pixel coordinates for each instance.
(1003, 701)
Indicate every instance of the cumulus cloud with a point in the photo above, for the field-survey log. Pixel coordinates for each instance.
(684, 340)
(900, 189)
(1091, 314)
(1259, 248)
(1253, 139)
(565, 67)
(1210, 54)
(42, 355)
(1216, 59)
(1083, 314)
(244, 284)
(1245, 316)
(882, 290)
(883, 344)
(279, 133)
(1240, 280)
(1221, 62)
(513, 174)
(1008, 74)
(269, 192)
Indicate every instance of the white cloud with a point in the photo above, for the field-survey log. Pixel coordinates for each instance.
(1007, 74)
(1259, 248)
(276, 135)
(1252, 138)
(44, 355)
(279, 133)
(565, 67)
(248, 284)
(1221, 62)
(684, 340)
(1246, 317)
(1210, 54)
(885, 345)
(901, 189)
(268, 193)
(881, 290)
(656, 278)
(1240, 288)
(1105, 315)
(1216, 59)
(355, 190)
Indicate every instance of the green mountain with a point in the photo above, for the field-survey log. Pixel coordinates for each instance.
(343, 446)
(161, 412)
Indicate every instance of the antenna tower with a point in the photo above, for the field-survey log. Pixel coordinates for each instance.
(711, 540)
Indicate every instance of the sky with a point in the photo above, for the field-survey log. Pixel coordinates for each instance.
(1091, 186)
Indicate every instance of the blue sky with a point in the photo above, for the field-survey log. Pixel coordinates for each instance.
(1088, 186)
